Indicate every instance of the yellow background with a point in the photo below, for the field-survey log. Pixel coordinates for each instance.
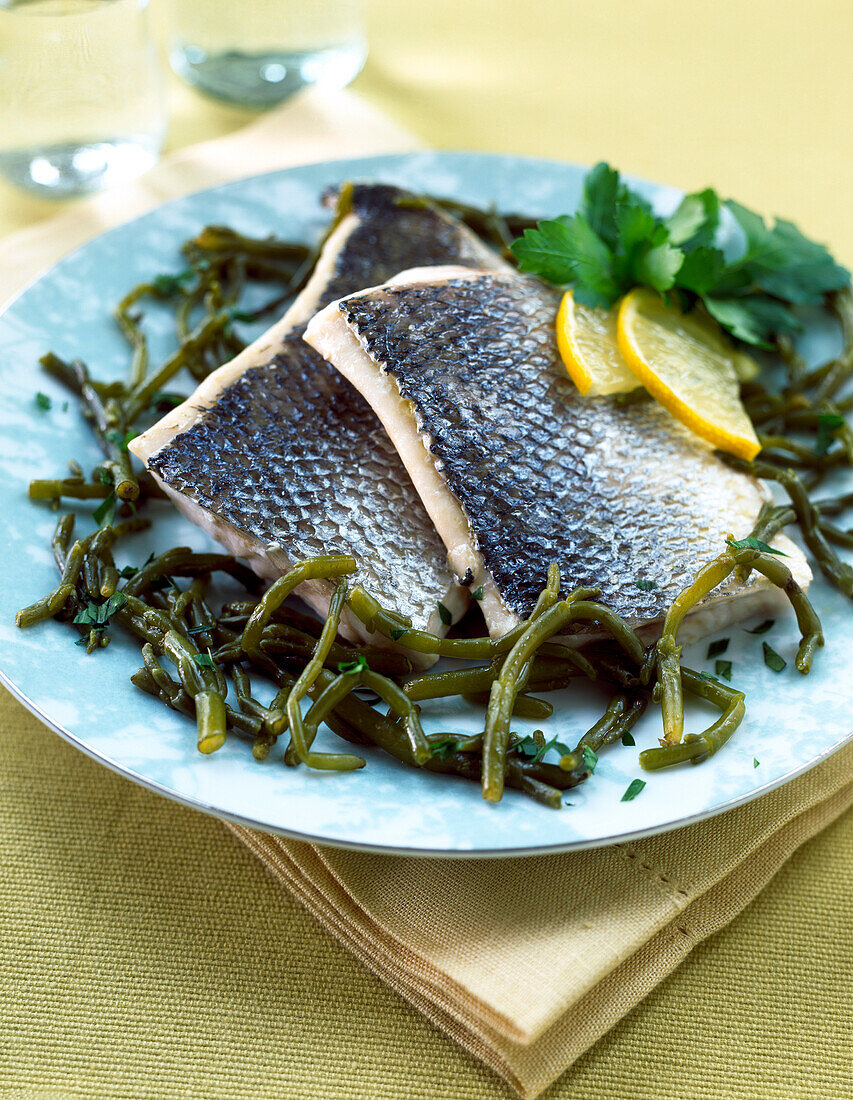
(143, 952)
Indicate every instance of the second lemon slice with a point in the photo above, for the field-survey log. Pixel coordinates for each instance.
(590, 351)
(683, 361)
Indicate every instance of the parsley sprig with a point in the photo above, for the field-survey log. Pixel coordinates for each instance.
(615, 242)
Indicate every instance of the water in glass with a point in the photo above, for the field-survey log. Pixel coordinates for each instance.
(81, 93)
(259, 52)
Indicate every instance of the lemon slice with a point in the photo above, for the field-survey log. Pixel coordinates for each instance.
(683, 361)
(590, 351)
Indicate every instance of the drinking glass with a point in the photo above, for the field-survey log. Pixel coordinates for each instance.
(81, 94)
(258, 52)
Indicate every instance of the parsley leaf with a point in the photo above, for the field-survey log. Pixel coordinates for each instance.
(358, 664)
(128, 571)
(528, 746)
(695, 222)
(615, 242)
(166, 286)
(762, 628)
(601, 191)
(546, 251)
(397, 632)
(203, 660)
(119, 439)
(717, 648)
(755, 761)
(702, 270)
(592, 264)
(445, 749)
(589, 759)
(784, 263)
(827, 425)
(477, 594)
(772, 659)
(634, 788)
(724, 669)
(628, 739)
(444, 614)
(752, 543)
(537, 749)
(97, 615)
(43, 401)
(658, 266)
(103, 476)
(753, 319)
(646, 586)
(105, 513)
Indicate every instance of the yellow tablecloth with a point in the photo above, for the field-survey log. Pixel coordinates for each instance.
(143, 952)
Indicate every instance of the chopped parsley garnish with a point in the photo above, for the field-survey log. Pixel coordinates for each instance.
(615, 242)
(397, 632)
(827, 426)
(97, 615)
(755, 761)
(589, 759)
(358, 664)
(752, 543)
(707, 676)
(166, 286)
(628, 739)
(772, 658)
(203, 660)
(128, 571)
(478, 593)
(536, 748)
(444, 614)
(762, 628)
(717, 648)
(646, 586)
(634, 788)
(65, 406)
(724, 669)
(119, 439)
(446, 748)
(240, 315)
(103, 476)
(105, 513)
(43, 401)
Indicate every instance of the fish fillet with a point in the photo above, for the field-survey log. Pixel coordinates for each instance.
(518, 470)
(280, 459)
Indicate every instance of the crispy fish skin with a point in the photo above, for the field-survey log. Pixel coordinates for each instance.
(277, 449)
(518, 470)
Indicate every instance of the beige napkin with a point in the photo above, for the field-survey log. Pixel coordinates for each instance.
(525, 962)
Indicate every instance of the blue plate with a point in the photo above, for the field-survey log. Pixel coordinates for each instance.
(792, 721)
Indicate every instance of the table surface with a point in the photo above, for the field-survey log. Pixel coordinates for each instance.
(143, 951)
